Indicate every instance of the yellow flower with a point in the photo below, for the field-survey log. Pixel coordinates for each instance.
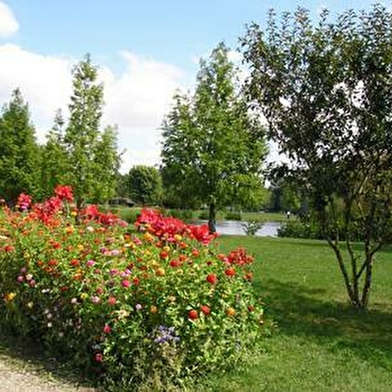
(166, 248)
(80, 247)
(160, 272)
(177, 237)
(30, 305)
(74, 213)
(83, 295)
(154, 264)
(10, 296)
(153, 309)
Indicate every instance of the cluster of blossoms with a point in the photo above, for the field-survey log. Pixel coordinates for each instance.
(165, 334)
(169, 228)
(99, 284)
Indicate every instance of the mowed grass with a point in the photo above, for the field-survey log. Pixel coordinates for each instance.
(320, 343)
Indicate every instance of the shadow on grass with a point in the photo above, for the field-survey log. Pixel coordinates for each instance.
(296, 312)
(25, 354)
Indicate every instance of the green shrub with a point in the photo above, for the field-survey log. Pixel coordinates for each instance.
(233, 215)
(251, 227)
(185, 215)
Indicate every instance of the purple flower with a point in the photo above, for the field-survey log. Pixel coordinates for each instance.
(114, 272)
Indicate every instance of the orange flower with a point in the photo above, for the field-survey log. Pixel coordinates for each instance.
(153, 309)
(160, 272)
(230, 312)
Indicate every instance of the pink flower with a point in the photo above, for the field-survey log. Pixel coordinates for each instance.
(107, 329)
(64, 192)
(20, 278)
(98, 357)
(112, 301)
(95, 299)
(90, 263)
(125, 283)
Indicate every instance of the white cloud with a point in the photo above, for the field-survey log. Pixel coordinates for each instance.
(8, 23)
(136, 101)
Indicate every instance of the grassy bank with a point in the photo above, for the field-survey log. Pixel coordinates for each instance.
(320, 343)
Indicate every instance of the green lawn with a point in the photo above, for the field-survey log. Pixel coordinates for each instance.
(320, 343)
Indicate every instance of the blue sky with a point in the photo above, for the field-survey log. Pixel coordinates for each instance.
(144, 48)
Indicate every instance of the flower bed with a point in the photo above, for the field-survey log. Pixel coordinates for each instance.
(152, 302)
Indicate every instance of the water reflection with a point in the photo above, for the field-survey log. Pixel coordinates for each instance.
(269, 229)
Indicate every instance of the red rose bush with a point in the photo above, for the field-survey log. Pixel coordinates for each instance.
(127, 303)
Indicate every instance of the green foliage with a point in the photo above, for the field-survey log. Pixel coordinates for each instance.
(54, 165)
(92, 155)
(233, 215)
(213, 148)
(185, 215)
(301, 229)
(251, 227)
(145, 185)
(19, 152)
(326, 91)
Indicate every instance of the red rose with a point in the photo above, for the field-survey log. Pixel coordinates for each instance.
(212, 278)
(193, 315)
(205, 309)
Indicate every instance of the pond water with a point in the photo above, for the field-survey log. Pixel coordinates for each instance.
(269, 229)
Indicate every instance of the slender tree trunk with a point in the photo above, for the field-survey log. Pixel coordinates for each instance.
(212, 218)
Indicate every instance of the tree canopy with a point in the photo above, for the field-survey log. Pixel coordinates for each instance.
(92, 155)
(213, 149)
(145, 185)
(19, 152)
(326, 92)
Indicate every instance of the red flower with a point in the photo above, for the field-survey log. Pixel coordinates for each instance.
(74, 262)
(212, 278)
(112, 301)
(175, 263)
(98, 357)
(107, 329)
(193, 315)
(163, 254)
(9, 248)
(205, 309)
(24, 201)
(64, 192)
(230, 272)
(136, 281)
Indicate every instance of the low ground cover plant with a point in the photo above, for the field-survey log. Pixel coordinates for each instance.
(154, 305)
